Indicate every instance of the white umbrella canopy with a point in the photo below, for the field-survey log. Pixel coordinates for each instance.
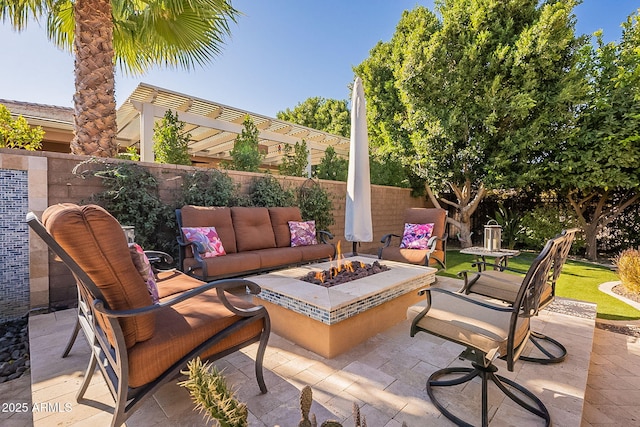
(357, 219)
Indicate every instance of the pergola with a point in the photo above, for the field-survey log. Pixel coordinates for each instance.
(214, 128)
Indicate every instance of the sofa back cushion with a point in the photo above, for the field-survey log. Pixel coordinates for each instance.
(280, 218)
(96, 242)
(253, 228)
(210, 216)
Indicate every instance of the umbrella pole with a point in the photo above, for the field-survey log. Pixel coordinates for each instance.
(355, 248)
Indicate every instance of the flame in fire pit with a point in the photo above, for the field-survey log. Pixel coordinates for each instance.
(342, 271)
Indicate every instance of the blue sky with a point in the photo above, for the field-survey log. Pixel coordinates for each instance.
(279, 54)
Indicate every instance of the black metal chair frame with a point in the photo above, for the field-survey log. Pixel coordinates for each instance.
(526, 306)
(542, 342)
(112, 360)
(155, 258)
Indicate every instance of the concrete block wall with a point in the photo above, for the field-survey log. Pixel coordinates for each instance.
(52, 180)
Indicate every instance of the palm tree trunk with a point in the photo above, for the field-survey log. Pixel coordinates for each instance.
(94, 101)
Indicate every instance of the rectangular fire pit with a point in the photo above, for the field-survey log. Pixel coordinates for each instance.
(331, 320)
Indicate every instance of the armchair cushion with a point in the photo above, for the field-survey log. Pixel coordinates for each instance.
(303, 233)
(143, 265)
(207, 237)
(416, 236)
(184, 326)
(95, 240)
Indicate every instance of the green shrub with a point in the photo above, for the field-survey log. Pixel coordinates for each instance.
(628, 263)
(132, 197)
(209, 187)
(511, 225)
(315, 204)
(267, 191)
(17, 133)
(545, 222)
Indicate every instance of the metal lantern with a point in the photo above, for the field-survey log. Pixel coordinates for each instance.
(492, 236)
(129, 232)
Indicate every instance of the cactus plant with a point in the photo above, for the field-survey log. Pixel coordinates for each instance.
(212, 396)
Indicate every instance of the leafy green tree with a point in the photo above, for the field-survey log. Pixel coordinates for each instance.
(137, 35)
(476, 96)
(329, 115)
(390, 134)
(17, 133)
(332, 167)
(599, 167)
(171, 142)
(245, 154)
(295, 164)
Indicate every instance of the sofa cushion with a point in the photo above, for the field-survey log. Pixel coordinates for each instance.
(184, 326)
(253, 228)
(96, 242)
(276, 257)
(280, 218)
(208, 216)
(316, 252)
(228, 265)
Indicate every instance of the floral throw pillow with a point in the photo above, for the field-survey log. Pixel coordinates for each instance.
(143, 266)
(303, 233)
(416, 236)
(207, 237)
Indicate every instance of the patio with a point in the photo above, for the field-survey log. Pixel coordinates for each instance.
(385, 375)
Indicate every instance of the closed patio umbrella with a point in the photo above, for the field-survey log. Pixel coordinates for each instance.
(357, 219)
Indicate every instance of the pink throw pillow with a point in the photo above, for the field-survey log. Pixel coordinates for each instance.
(416, 236)
(208, 237)
(303, 233)
(143, 266)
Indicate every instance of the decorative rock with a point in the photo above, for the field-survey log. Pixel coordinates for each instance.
(14, 358)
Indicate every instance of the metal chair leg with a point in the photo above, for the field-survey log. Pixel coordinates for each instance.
(72, 338)
(557, 356)
(485, 373)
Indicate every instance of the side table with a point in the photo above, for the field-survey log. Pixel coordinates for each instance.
(501, 257)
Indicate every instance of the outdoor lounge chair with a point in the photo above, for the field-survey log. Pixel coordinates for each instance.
(138, 345)
(487, 330)
(434, 253)
(504, 286)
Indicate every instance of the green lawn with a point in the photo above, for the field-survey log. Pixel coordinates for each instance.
(578, 281)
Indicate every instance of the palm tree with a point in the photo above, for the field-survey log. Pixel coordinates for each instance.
(134, 34)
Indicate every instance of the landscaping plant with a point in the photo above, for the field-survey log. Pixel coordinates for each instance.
(266, 191)
(209, 187)
(17, 133)
(315, 204)
(171, 142)
(628, 263)
(212, 396)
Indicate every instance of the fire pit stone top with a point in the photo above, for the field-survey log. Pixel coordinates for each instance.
(285, 287)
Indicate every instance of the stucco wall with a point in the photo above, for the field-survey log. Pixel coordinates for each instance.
(61, 185)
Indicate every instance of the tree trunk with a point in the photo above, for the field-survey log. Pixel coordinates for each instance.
(602, 213)
(94, 100)
(591, 233)
(466, 205)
